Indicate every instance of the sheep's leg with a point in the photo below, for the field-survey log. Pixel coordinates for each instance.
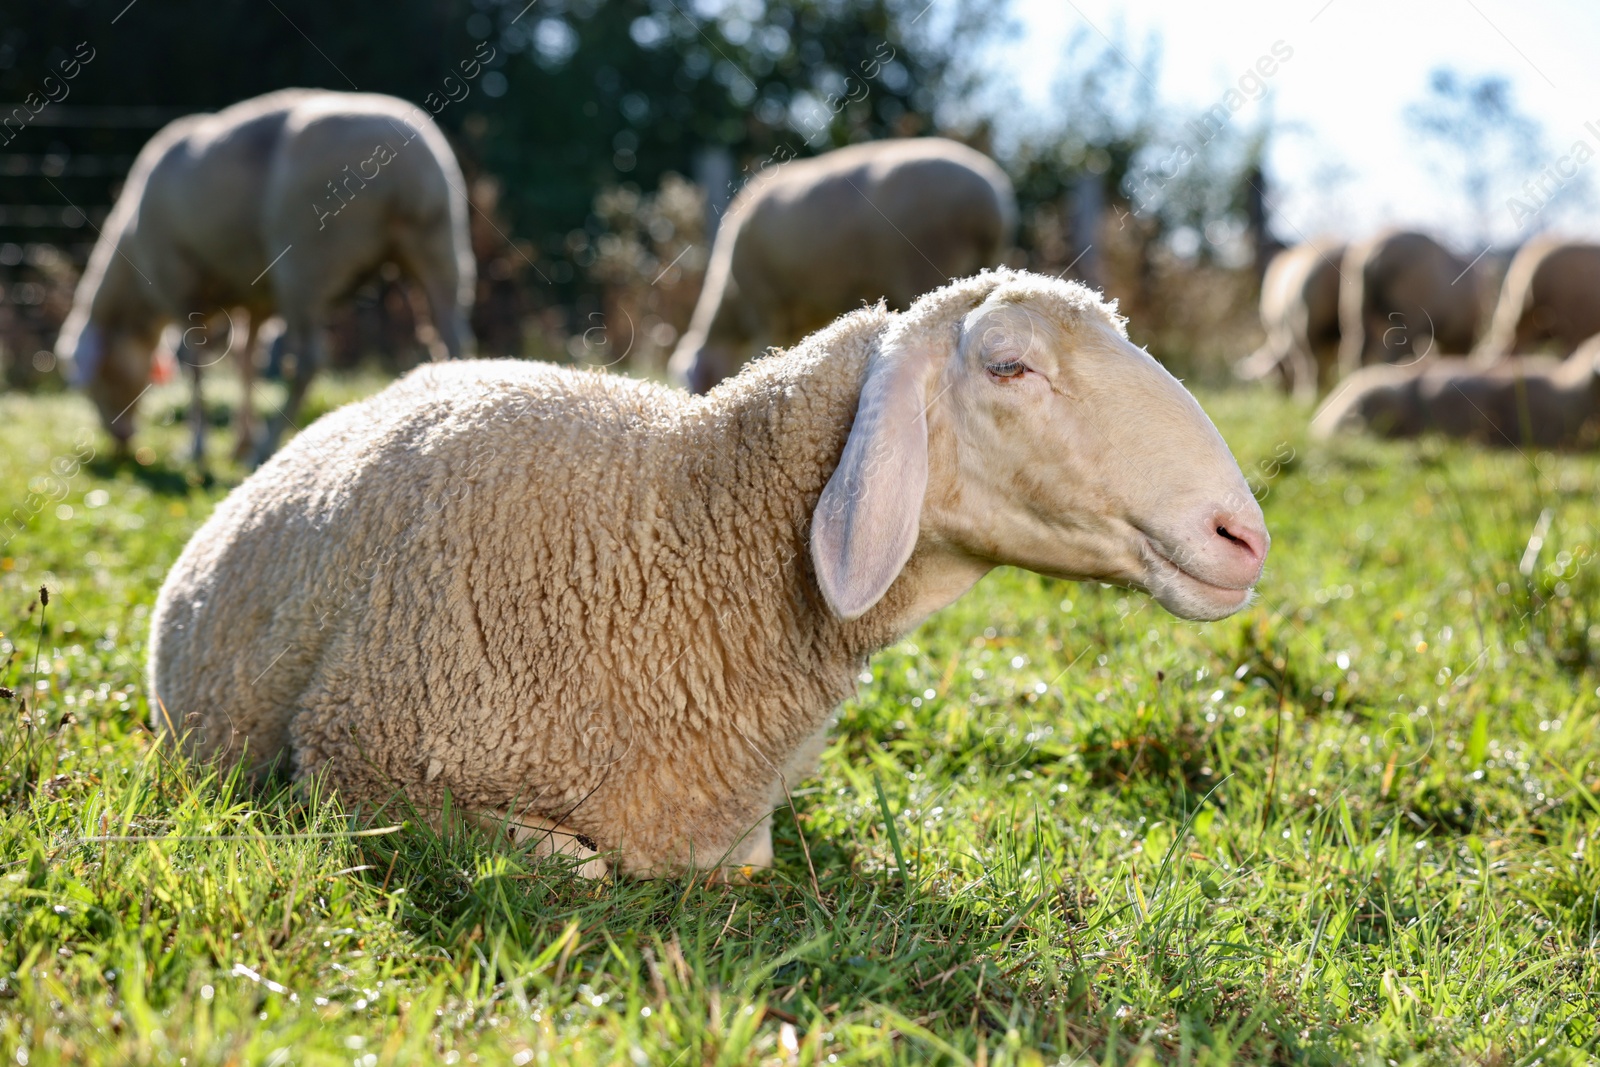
(307, 350)
(197, 404)
(1326, 358)
(552, 840)
(1301, 369)
(274, 370)
(245, 418)
(755, 851)
(448, 322)
(429, 257)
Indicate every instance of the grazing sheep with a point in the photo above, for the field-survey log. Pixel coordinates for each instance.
(1523, 401)
(1551, 294)
(1300, 314)
(1404, 297)
(277, 204)
(597, 605)
(812, 239)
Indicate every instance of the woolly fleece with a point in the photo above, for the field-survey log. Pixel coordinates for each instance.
(564, 594)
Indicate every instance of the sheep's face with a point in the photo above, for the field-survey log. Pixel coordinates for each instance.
(1060, 447)
(1381, 400)
(699, 367)
(112, 367)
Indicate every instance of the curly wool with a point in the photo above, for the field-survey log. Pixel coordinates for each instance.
(561, 594)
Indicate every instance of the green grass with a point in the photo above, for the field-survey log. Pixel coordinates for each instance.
(1355, 823)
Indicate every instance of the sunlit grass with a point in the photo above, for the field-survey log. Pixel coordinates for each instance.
(1352, 824)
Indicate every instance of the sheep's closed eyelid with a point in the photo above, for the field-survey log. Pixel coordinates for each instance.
(1006, 369)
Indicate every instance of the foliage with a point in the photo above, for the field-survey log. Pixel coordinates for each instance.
(1106, 114)
(651, 259)
(556, 99)
(1103, 201)
(627, 89)
(1480, 139)
(1109, 123)
(1355, 824)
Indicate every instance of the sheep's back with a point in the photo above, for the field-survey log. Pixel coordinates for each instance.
(371, 536)
(199, 212)
(889, 219)
(376, 150)
(1521, 402)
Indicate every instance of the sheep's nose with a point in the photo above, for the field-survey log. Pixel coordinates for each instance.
(1243, 542)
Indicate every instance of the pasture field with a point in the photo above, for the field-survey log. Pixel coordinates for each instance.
(1357, 823)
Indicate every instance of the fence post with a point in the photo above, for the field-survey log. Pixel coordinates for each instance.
(1088, 206)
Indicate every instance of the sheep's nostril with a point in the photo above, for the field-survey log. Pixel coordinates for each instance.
(1251, 541)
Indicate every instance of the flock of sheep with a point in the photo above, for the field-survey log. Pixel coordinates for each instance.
(1371, 324)
(620, 617)
(615, 617)
(610, 615)
(281, 204)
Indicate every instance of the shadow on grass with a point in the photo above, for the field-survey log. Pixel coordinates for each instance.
(868, 938)
(159, 476)
(957, 970)
(889, 937)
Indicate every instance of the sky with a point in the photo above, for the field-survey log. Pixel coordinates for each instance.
(1338, 102)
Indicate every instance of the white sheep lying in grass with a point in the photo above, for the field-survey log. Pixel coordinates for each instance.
(278, 204)
(1522, 401)
(584, 601)
(807, 241)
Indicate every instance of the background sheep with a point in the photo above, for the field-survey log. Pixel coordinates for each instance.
(277, 204)
(812, 239)
(1404, 294)
(1300, 314)
(1532, 401)
(598, 603)
(1551, 294)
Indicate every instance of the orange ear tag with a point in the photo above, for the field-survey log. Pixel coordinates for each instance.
(164, 367)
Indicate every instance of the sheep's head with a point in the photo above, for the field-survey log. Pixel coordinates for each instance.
(714, 349)
(1378, 399)
(698, 364)
(111, 366)
(1009, 419)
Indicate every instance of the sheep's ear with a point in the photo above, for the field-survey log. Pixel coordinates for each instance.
(865, 525)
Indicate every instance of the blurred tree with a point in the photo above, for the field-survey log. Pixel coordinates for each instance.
(1479, 139)
(601, 91)
(557, 98)
(1152, 204)
(651, 262)
(1074, 164)
(1109, 147)
(547, 102)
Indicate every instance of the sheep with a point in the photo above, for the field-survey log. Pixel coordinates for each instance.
(1522, 401)
(1403, 297)
(811, 239)
(1551, 294)
(276, 204)
(602, 607)
(1300, 314)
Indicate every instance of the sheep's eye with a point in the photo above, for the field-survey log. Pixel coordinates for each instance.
(1011, 368)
